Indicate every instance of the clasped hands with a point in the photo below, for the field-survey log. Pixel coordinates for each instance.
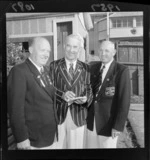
(69, 97)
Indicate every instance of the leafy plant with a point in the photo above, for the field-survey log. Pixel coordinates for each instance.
(15, 54)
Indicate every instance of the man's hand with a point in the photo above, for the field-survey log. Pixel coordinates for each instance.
(115, 133)
(24, 144)
(81, 101)
(68, 96)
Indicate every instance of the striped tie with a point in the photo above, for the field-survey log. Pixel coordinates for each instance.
(42, 70)
(71, 71)
(44, 76)
(98, 82)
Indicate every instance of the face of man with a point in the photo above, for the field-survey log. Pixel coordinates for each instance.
(72, 49)
(40, 52)
(107, 52)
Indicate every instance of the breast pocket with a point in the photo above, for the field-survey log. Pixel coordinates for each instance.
(110, 91)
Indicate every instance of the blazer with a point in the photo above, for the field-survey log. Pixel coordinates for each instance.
(110, 107)
(81, 86)
(31, 106)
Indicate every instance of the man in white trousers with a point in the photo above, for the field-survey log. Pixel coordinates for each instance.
(111, 91)
(71, 79)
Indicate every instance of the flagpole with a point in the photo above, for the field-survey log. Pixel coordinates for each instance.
(108, 26)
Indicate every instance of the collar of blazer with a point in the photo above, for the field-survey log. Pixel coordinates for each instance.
(36, 75)
(94, 67)
(108, 76)
(63, 71)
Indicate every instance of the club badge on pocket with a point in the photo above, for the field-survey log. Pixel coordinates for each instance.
(110, 91)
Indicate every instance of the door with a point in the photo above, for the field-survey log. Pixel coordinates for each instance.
(131, 54)
(63, 30)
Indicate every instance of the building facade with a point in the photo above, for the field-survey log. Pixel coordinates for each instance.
(21, 27)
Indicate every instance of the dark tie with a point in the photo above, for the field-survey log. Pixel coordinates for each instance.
(71, 71)
(42, 70)
(98, 81)
(45, 77)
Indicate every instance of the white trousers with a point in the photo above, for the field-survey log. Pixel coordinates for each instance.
(69, 135)
(96, 141)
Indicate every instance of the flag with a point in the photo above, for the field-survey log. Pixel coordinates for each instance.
(87, 20)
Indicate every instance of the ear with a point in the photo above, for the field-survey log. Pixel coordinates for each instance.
(114, 52)
(31, 50)
(80, 49)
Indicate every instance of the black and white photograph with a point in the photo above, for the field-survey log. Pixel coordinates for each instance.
(76, 82)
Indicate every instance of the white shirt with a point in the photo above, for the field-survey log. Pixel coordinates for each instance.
(68, 64)
(105, 70)
(107, 65)
(39, 68)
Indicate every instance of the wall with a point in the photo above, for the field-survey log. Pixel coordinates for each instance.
(125, 32)
(30, 26)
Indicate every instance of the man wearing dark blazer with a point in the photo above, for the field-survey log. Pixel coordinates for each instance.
(71, 112)
(31, 100)
(108, 113)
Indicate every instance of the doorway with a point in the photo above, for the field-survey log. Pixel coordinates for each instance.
(63, 30)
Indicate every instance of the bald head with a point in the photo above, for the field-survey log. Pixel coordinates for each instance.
(37, 40)
(107, 51)
(109, 44)
(39, 49)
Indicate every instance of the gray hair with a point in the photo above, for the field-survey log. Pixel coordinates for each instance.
(78, 37)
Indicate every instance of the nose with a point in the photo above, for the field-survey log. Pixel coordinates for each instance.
(46, 54)
(71, 49)
(102, 52)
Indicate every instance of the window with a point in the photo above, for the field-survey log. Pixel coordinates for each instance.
(123, 22)
(114, 23)
(25, 46)
(130, 22)
(119, 23)
(139, 21)
(130, 52)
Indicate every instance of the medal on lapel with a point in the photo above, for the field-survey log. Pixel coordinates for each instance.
(49, 80)
(41, 81)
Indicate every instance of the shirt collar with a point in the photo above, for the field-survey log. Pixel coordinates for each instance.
(39, 68)
(68, 63)
(107, 65)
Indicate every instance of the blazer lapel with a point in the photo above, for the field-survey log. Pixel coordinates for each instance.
(34, 71)
(36, 75)
(63, 71)
(48, 87)
(95, 71)
(107, 78)
(78, 71)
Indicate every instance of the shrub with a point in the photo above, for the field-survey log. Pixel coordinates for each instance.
(15, 54)
(137, 99)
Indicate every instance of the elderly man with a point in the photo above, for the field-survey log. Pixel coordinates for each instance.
(31, 99)
(111, 89)
(71, 78)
